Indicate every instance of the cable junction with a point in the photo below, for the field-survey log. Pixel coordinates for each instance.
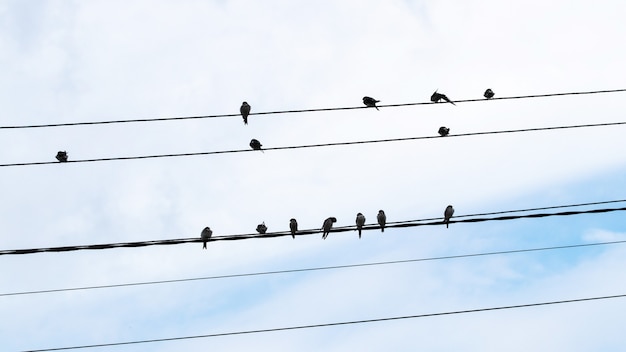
(370, 227)
(605, 124)
(334, 267)
(306, 110)
(364, 321)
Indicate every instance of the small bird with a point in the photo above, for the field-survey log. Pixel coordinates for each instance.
(370, 102)
(261, 228)
(328, 224)
(447, 214)
(382, 220)
(205, 235)
(360, 221)
(62, 156)
(489, 93)
(444, 131)
(438, 96)
(293, 226)
(256, 145)
(245, 111)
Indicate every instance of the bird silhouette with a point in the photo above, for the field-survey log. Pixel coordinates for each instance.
(256, 145)
(382, 220)
(245, 111)
(360, 221)
(205, 235)
(444, 131)
(438, 96)
(447, 214)
(489, 93)
(293, 226)
(62, 156)
(328, 224)
(370, 102)
(261, 228)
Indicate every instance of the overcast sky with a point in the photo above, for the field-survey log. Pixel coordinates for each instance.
(72, 61)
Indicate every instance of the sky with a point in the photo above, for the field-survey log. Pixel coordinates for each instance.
(74, 61)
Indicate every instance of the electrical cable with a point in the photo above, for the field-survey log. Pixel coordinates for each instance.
(287, 233)
(305, 110)
(299, 327)
(334, 267)
(317, 145)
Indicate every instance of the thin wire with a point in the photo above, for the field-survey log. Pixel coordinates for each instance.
(415, 316)
(303, 110)
(335, 267)
(317, 145)
(287, 233)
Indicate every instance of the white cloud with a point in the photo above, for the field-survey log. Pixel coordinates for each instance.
(103, 60)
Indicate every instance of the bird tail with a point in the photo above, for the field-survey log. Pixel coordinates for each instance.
(376, 107)
(447, 223)
(359, 233)
(382, 229)
(448, 100)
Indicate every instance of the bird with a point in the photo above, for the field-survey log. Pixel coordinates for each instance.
(62, 156)
(370, 102)
(205, 235)
(360, 221)
(447, 214)
(444, 131)
(261, 228)
(489, 93)
(255, 144)
(328, 224)
(245, 111)
(438, 96)
(293, 226)
(382, 220)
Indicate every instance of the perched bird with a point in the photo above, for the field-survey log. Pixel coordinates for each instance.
(328, 224)
(293, 226)
(62, 156)
(255, 144)
(444, 131)
(261, 228)
(360, 221)
(245, 111)
(370, 102)
(205, 235)
(489, 93)
(447, 214)
(382, 220)
(438, 96)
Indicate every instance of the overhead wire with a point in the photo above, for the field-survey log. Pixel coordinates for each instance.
(387, 140)
(299, 233)
(352, 322)
(66, 124)
(334, 267)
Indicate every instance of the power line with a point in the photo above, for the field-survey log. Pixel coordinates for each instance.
(303, 110)
(510, 211)
(287, 233)
(404, 261)
(317, 145)
(415, 316)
